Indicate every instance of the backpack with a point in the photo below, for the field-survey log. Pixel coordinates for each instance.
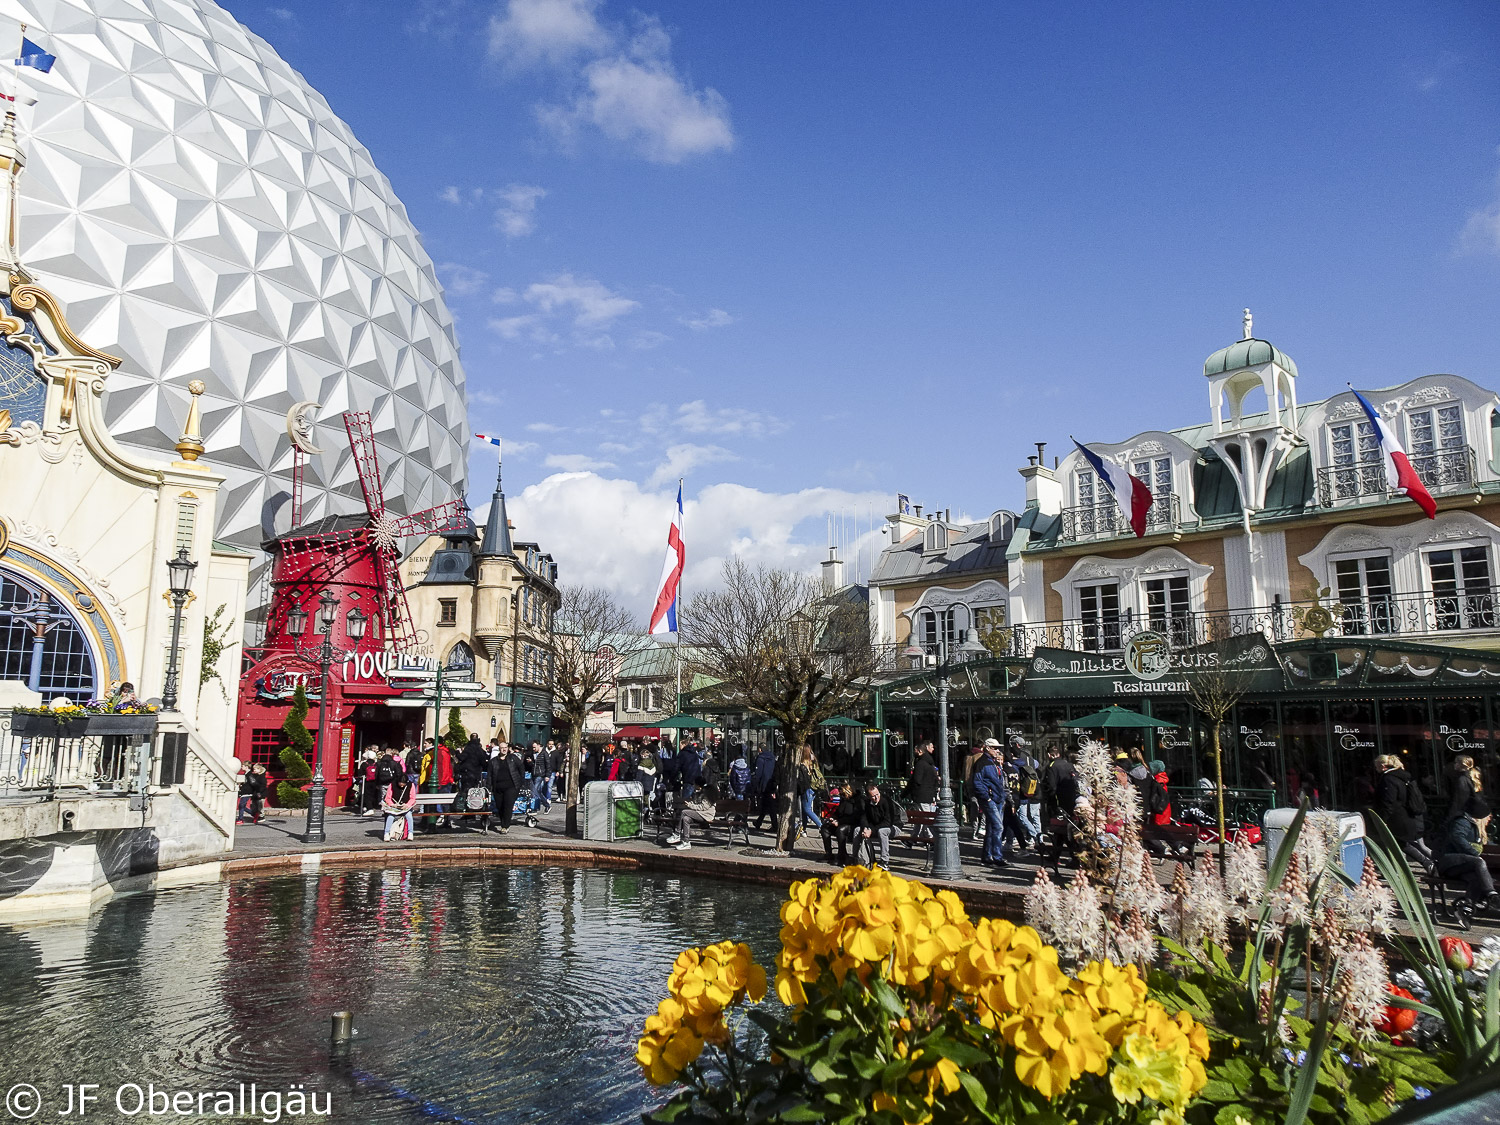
(372, 771)
(1157, 801)
(739, 775)
(386, 772)
(1029, 781)
(1416, 804)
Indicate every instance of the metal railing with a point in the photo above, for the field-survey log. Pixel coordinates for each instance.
(37, 766)
(1105, 521)
(1407, 615)
(1442, 471)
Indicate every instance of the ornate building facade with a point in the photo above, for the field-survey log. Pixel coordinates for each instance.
(1362, 626)
(485, 604)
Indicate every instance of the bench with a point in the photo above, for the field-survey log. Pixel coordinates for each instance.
(428, 805)
(917, 819)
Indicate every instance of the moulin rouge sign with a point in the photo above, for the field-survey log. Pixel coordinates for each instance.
(278, 683)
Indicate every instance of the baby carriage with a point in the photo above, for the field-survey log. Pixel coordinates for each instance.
(525, 809)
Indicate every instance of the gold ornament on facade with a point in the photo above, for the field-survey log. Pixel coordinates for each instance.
(190, 448)
(1318, 619)
(4, 535)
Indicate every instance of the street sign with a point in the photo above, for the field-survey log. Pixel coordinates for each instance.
(432, 702)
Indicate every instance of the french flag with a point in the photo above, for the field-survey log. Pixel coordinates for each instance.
(489, 440)
(1400, 477)
(1129, 491)
(664, 614)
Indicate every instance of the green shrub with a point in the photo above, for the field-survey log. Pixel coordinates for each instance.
(289, 793)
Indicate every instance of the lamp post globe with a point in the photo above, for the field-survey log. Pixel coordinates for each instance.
(179, 584)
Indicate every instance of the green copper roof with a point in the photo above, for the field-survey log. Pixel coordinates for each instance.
(1247, 353)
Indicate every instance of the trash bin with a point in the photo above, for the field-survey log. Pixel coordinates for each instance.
(1350, 827)
(626, 798)
(597, 810)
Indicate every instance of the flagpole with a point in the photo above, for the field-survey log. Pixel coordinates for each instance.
(677, 632)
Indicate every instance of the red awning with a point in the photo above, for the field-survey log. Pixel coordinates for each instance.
(638, 732)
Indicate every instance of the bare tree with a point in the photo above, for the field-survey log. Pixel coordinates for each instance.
(593, 633)
(780, 647)
(1214, 692)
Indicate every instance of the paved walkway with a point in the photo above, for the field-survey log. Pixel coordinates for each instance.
(351, 838)
(276, 845)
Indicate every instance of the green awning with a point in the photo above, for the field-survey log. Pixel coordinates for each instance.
(685, 722)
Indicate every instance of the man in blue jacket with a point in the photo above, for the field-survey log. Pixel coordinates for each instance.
(989, 788)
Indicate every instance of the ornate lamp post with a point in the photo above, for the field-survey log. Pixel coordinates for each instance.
(324, 655)
(946, 862)
(179, 579)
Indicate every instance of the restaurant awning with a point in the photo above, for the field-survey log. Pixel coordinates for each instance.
(636, 731)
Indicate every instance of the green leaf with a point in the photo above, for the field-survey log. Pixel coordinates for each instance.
(963, 1054)
(1227, 1115)
(823, 1073)
(802, 1112)
(977, 1094)
(887, 998)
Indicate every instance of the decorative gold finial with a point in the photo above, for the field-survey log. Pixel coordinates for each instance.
(190, 448)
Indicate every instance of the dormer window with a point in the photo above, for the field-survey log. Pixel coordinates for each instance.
(1155, 473)
(1002, 527)
(937, 538)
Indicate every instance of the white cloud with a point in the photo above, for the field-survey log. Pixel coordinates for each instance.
(592, 304)
(571, 514)
(682, 459)
(450, 195)
(544, 428)
(648, 338)
(285, 15)
(505, 296)
(516, 216)
(575, 462)
(645, 104)
(714, 318)
(461, 280)
(626, 88)
(697, 417)
(528, 328)
(550, 31)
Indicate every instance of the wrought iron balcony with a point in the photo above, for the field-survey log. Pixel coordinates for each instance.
(1405, 615)
(1447, 471)
(1105, 521)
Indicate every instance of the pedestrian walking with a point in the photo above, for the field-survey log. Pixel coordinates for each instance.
(989, 788)
(541, 777)
(922, 787)
(506, 779)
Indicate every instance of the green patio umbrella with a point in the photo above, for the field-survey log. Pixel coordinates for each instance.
(685, 722)
(841, 721)
(762, 724)
(1114, 717)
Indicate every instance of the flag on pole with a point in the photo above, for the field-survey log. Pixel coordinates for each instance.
(489, 440)
(33, 56)
(1129, 491)
(1400, 477)
(664, 615)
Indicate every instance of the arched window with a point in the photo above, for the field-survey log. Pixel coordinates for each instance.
(1002, 527)
(460, 658)
(63, 664)
(950, 625)
(937, 538)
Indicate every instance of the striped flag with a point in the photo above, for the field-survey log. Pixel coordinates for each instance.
(1400, 477)
(1129, 491)
(489, 440)
(664, 615)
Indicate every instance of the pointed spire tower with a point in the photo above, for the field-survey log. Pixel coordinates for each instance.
(496, 541)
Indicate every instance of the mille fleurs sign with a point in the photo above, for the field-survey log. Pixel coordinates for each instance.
(1147, 668)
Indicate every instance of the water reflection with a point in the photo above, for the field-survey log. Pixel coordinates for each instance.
(480, 995)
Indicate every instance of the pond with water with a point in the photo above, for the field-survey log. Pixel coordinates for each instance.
(487, 995)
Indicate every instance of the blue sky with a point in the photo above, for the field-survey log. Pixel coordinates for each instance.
(813, 255)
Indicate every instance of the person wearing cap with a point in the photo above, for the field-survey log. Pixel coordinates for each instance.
(989, 788)
(1463, 852)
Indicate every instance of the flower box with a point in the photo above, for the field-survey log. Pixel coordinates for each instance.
(48, 726)
(122, 724)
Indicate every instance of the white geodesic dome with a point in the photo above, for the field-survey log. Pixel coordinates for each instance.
(202, 213)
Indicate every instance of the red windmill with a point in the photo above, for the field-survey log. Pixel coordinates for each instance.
(378, 539)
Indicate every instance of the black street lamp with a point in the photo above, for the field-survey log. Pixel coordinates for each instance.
(946, 861)
(317, 793)
(180, 580)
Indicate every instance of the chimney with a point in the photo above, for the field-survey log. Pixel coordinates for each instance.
(1043, 490)
(833, 571)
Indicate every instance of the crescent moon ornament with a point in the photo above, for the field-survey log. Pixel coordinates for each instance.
(299, 426)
